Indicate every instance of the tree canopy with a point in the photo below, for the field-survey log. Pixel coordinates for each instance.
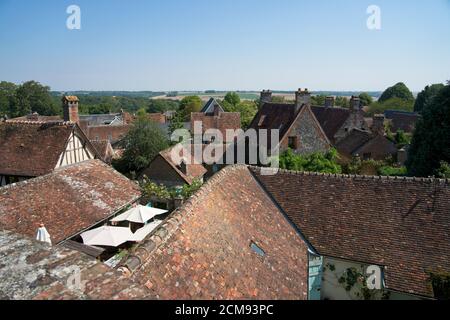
(316, 162)
(399, 90)
(366, 99)
(426, 96)
(232, 98)
(162, 105)
(31, 96)
(431, 143)
(390, 104)
(142, 144)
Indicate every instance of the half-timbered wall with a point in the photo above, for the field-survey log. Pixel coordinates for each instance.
(76, 151)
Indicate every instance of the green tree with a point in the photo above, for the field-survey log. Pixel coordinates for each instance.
(342, 102)
(142, 144)
(191, 104)
(318, 100)
(161, 105)
(247, 109)
(8, 100)
(427, 95)
(390, 104)
(431, 143)
(232, 98)
(316, 162)
(399, 90)
(34, 97)
(366, 99)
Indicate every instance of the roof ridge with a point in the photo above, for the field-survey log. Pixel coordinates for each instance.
(141, 254)
(51, 122)
(355, 176)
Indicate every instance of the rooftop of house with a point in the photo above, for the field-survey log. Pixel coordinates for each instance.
(331, 119)
(399, 223)
(34, 270)
(353, 141)
(211, 105)
(281, 115)
(228, 241)
(32, 148)
(193, 169)
(402, 120)
(102, 147)
(68, 200)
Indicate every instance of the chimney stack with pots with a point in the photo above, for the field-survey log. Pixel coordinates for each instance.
(70, 109)
(329, 102)
(266, 97)
(355, 103)
(378, 124)
(302, 97)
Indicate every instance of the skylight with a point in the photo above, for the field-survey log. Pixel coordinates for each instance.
(257, 249)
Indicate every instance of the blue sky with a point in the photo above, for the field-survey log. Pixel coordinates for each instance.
(225, 44)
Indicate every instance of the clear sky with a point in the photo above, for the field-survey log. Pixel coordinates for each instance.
(225, 44)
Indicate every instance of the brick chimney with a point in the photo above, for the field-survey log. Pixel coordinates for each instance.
(266, 97)
(302, 97)
(355, 104)
(70, 109)
(329, 102)
(378, 124)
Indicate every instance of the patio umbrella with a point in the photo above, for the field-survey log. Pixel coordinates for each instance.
(107, 236)
(143, 232)
(139, 214)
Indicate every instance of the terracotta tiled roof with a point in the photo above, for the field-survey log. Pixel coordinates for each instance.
(353, 141)
(32, 148)
(401, 120)
(194, 170)
(71, 98)
(400, 223)
(33, 270)
(203, 250)
(222, 122)
(275, 116)
(67, 201)
(331, 119)
(102, 147)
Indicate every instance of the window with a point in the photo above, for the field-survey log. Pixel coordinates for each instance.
(257, 249)
(292, 143)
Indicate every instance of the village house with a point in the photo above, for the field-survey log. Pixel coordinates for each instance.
(350, 223)
(244, 235)
(298, 127)
(213, 116)
(367, 144)
(68, 200)
(402, 120)
(229, 241)
(171, 173)
(337, 122)
(34, 148)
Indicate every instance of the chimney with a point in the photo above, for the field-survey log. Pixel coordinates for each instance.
(70, 109)
(355, 104)
(378, 124)
(266, 97)
(329, 102)
(302, 97)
